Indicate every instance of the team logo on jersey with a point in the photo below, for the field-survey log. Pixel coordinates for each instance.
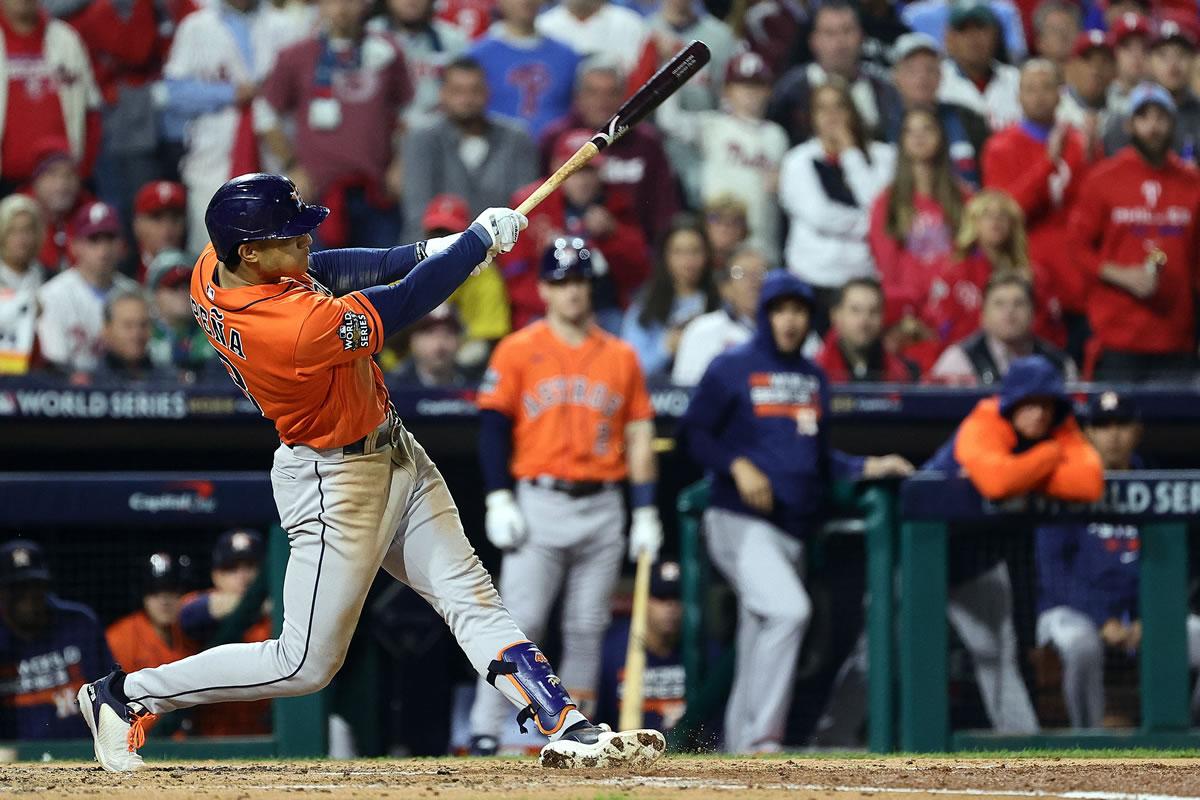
(355, 331)
(788, 394)
(575, 390)
(1151, 190)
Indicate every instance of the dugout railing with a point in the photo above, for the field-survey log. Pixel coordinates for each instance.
(182, 503)
(1161, 503)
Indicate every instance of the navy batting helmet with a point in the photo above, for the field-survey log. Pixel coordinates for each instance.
(567, 258)
(257, 206)
(162, 572)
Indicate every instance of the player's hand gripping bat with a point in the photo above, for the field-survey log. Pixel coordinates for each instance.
(675, 73)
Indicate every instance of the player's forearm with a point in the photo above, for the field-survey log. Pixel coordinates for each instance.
(495, 450)
(639, 454)
(349, 269)
(404, 302)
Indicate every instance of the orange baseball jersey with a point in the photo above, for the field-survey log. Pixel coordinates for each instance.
(569, 405)
(135, 643)
(300, 354)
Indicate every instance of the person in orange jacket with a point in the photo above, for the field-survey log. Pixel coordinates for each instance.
(1023, 440)
(151, 636)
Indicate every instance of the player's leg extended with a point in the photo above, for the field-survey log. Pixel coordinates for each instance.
(980, 610)
(335, 512)
(761, 562)
(1075, 638)
(595, 566)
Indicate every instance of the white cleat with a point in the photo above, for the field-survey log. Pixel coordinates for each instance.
(587, 746)
(118, 730)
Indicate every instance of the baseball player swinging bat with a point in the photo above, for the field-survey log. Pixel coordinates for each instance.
(675, 73)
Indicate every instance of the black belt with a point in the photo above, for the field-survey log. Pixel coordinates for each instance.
(378, 437)
(573, 488)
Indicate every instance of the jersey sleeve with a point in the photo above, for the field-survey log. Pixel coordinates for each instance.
(639, 405)
(500, 389)
(337, 330)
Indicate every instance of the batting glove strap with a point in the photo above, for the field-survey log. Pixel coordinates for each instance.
(503, 225)
(529, 670)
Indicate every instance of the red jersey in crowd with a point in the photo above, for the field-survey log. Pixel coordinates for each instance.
(34, 112)
(1016, 161)
(882, 365)
(624, 251)
(1126, 209)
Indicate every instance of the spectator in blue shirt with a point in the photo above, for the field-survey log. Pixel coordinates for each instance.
(531, 78)
(680, 289)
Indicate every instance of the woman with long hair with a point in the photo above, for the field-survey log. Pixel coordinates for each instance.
(913, 224)
(826, 186)
(680, 288)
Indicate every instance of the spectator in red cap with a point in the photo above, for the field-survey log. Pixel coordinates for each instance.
(1041, 163)
(125, 342)
(636, 163)
(1136, 229)
(20, 277)
(58, 189)
(1084, 101)
(1171, 55)
(1129, 36)
(159, 222)
(481, 302)
(176, 341)
(49, 90)
(72, 316)
(585, 207)
(433, 347)
(342, 91)
(740, 151)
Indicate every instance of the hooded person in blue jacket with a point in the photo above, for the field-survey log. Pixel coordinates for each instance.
(757, 422)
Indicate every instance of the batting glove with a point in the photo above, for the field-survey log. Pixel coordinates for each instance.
(504, 524)
(437, 245)
(645, 534)
(504, 225)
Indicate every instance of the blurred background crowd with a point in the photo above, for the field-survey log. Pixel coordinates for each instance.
(960, 182)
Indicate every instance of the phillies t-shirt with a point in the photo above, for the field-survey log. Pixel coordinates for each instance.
(34, 111)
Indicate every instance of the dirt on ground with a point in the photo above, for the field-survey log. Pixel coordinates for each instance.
(673, 777)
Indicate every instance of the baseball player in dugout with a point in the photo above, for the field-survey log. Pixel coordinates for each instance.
(296, 331)
(758, 424)
(565, 419)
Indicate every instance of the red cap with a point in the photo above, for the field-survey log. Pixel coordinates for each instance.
(569, 142)
(94, 219)
(446, 212)
(1087, 41)
(442, 315)
(159, 196)
(1127, 25)
(1173, 30)
(748, 67)
(48, 150)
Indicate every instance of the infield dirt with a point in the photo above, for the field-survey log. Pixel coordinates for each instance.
(673, 777)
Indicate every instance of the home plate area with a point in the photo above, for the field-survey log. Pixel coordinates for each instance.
(673, 777)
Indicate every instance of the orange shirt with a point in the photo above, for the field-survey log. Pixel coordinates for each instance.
(135, 643)
(301, 355)
(569, 405)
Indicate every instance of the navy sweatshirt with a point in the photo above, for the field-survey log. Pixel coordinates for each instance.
(772, 408)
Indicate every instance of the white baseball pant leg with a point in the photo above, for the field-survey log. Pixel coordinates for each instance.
(344, 515)
(763, 565)
(576, 542)
(1074, 636)
(980, 610)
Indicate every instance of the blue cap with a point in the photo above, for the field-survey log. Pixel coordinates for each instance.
(237, 546)
(22, 560)
(1146, 93)
(568, 257)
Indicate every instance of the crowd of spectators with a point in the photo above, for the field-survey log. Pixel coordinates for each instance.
(961, 182)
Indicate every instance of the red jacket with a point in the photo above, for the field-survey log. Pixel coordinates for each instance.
(1016, 162)
(889, 368)
(624, 250)
(1125, 207)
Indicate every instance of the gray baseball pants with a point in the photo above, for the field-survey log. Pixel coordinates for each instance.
(575, 546)
(346, 516)
(764, 565)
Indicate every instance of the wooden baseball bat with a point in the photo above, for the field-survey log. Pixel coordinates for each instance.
(633, 694)
(675, 73)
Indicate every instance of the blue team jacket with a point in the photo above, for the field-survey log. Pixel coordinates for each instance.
(772, 408)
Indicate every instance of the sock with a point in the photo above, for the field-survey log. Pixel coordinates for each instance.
(573, 720)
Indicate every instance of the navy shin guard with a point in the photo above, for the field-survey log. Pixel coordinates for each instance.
(529, 670)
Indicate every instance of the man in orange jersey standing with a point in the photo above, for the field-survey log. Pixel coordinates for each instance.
(296, 332)
(565, 415)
